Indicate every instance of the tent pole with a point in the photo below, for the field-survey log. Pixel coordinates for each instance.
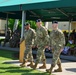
(69, 28)
(6, 25)
(23, 21)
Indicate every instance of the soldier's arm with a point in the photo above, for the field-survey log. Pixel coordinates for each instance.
(46, 36)
(33, 34)
(34, 38)
(50, 40)
(44, 31)
(62, 40)
(22, 39)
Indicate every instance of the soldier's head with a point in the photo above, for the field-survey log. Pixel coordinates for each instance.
(55, 25)
(38, 22)
(27, 26)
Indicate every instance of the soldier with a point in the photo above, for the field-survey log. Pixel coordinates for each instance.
(7, 38)
(29, 36)
(57, 42)
(41, 41)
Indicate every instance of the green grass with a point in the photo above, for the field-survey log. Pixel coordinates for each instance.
(10, 69)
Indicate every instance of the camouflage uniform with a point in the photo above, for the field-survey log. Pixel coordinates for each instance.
(57, 42)
(41, 41)
(29, 36)
(7, 38)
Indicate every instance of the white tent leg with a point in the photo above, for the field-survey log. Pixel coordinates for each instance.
(69, 28)
(23, 21)
(6, 27)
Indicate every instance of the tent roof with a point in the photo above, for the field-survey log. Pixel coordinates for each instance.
(18, 2)
(34, 4)
(61, 10)
(13, 5)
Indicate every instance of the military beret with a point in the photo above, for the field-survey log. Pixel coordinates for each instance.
(26, 24)
(38, 20)
(54, 22)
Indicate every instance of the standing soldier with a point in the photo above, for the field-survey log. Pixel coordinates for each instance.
(7, 38)
(57, 42)
(29, 36)
(40, 42)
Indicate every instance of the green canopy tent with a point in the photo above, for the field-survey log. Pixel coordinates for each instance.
(47, 10)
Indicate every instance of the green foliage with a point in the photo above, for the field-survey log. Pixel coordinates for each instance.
(32, 23)
(19, 24)
(11, 23)
(8, 68)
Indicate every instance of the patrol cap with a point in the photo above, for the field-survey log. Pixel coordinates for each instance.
(56, 22)
(26, 24)
(38, 20)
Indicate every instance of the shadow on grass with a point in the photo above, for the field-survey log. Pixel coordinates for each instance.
(7, 68)
(11, 62)
(71, 69)
(36, 73)
(7, 54)
(23, 71)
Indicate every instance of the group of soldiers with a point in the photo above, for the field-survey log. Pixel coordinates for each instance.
(15, 39)
(12, 38)
(42, 40)
(7, 37)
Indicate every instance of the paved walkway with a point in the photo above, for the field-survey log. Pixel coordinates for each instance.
(69, 68)
(2, 37)
(64, 57)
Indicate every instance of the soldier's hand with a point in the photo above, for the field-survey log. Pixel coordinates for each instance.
(49, 48)
(46, 46)
(61, 49)
(33, 46)
(21, 40)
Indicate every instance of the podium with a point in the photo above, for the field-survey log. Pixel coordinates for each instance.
(22, 49)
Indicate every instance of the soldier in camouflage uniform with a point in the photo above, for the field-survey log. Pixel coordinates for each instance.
(41, 41)
(7, 38)
(57, 42)
(29, 36)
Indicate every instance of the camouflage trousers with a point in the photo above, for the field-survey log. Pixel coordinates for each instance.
(40, 55)
(56, 53)
(28, 53)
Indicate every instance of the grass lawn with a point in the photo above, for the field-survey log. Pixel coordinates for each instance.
(10, 69)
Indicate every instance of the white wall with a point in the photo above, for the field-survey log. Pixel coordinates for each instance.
(61, 25)
(2, 25)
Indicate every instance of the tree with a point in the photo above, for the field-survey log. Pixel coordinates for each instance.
(32, 24)
(11, 23)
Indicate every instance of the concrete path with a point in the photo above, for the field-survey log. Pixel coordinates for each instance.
(69, 68)
(64, 57)
(2, 37)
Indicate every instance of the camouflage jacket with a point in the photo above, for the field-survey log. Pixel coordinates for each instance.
(42, 37)
(57, 38)
(29, 36)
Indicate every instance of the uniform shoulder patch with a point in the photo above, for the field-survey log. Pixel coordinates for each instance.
(43, 28)
(60, 31)
(32, 30)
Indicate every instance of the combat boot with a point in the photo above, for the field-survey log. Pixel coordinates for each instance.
(43, 66)
(34, 66)
(59, 68)
(50, 70)
(23, 64)
(31, 64)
